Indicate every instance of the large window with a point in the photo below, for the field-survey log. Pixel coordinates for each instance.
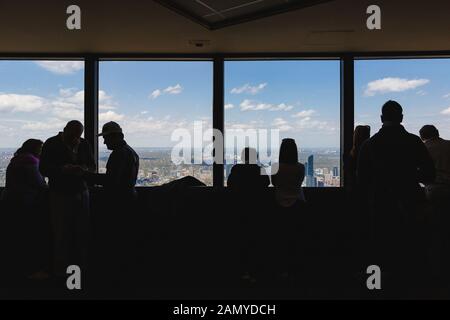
(158, 104)
(37, 98)
(421, 86)
(165, 108)
(296, 99)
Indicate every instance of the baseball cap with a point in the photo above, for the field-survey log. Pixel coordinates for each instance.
(110, 127)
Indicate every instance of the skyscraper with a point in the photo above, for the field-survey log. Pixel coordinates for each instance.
(310, 168)
(335, 172)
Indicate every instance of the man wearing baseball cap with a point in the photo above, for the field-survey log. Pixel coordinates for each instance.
(122, 166)
(120, 197)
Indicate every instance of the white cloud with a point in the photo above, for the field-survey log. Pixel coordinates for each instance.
(393, 85)
(155, 94)
(446, 111)
(445, 96)
(250, 105)
(105, 102)
(176, 89)
(239, 126)
(247, 105)
(61, 67)
(247, 88)
(53, 124)
(304, 113)
(229, 106)
(109, 116)
(308, 123)
(21, 103)
(281, 124)
(281, 107)
(68, 105)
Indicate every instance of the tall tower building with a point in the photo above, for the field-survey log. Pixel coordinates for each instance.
(335, 172)
(310, 168)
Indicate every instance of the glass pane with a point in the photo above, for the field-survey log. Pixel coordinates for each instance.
(296, 99)
(155, 102)
(421, 86)
(37, 99)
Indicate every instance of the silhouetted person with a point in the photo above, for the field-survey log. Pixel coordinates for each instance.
(438, 193)
(288, 216)
(360, 135)
(391, 165)
(439, 149)
(118, 226)
(248, 176)
(24, 182)
(64, 158)
(25, 197)
(122, 166)
(355, 199)
(288, 175)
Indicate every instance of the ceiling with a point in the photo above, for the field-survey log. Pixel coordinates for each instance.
(215, 14)
(138, 26)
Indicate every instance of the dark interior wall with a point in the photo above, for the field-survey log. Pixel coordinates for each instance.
(147, 27)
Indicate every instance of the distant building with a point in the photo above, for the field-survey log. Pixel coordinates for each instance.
(335, 172)
(310, 167)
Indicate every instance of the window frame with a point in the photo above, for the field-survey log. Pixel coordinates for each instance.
(347, 59)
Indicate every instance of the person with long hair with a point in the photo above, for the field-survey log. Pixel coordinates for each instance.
(288, 175)
(360, 135)
(24, 182)
(27, 222)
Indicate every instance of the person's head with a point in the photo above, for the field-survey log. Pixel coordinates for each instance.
(361, 134)
(288, 151)
(428, 132)
(392, 112)
(72, 133)
(249, 155)
(112, 135)
(31, 146)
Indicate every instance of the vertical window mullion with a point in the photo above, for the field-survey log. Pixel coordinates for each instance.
(218, 116)
(347, 112)
(91, 103)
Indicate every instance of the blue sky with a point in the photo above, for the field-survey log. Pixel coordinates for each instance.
(421, 86)
(152, 99)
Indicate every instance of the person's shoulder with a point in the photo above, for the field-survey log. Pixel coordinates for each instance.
(129, 150)
(124, 151)
(289, 166)
(415, 138)
(51, 140)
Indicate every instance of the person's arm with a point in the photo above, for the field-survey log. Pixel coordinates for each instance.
(36, 179)
(426, 172)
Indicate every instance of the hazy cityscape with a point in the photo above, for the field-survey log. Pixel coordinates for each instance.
(157, 168)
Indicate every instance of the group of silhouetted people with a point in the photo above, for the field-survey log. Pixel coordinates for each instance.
(286, 175)
(62, 207)
(399, 181)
